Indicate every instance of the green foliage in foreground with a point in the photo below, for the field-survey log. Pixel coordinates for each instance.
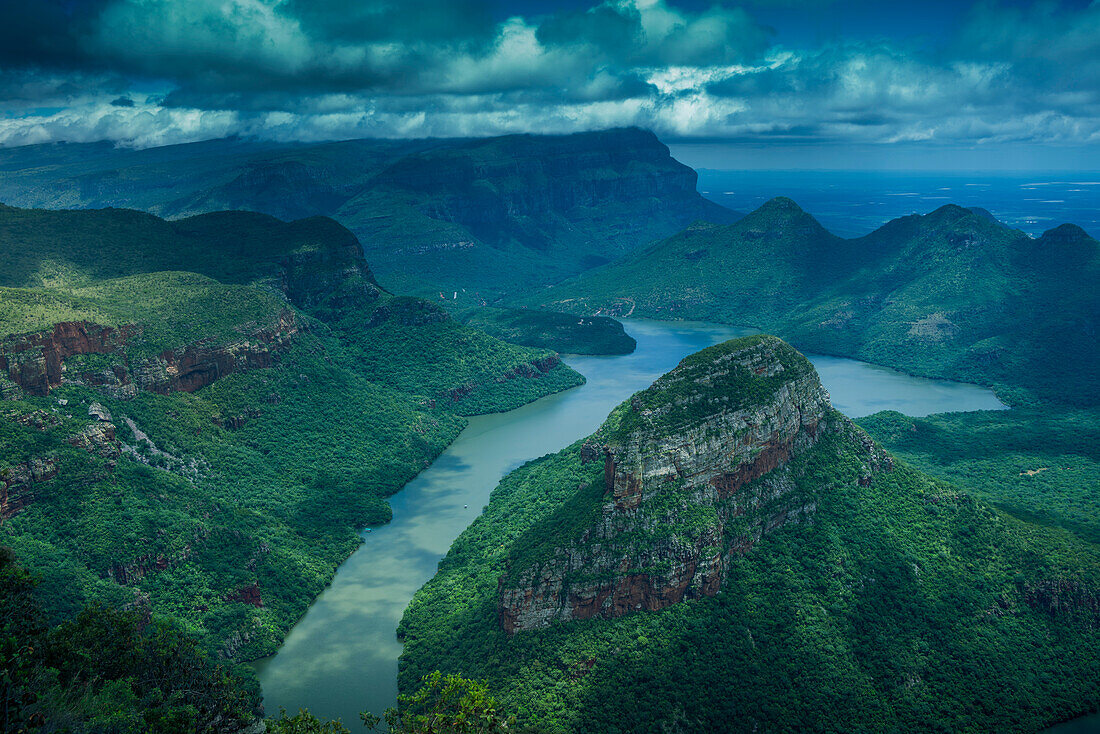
(902, 606)
(1040, 465)
(442, 705)
(107, 671)
(552, 330)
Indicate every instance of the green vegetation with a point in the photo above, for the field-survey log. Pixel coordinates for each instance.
(442, 705)
(74, 265)
(107, 671)
(682, 396)
(473, 217)
(552, 330)
(901, 605)
(173, 309)
(1040, 465)
(951, 294)
(224, 511)
(261, 479)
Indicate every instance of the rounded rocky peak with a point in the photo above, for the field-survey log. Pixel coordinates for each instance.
(1065, 234)
(781, 204)
(739, 374)
(950, 212)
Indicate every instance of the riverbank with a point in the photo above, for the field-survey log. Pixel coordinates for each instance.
(342, 656)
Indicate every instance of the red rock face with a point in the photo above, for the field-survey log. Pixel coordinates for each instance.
(681, 498)
(774, 454)
(34, 361)
(195, 366)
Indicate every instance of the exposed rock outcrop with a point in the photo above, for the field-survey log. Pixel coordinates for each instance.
(694, 475)
(197, 365)
(247, 595)
(19, 483)
(35, 362)
(98, 438)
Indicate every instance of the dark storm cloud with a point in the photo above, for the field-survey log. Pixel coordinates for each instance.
(317, 69)
(46, 32)
(467, 23)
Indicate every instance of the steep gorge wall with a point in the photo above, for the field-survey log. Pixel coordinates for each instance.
(35, 363)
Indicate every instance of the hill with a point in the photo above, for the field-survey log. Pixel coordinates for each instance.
(727, 552)
(199, 416)
(952, 294)
(472, 217)
(315, 264)
(551, 330)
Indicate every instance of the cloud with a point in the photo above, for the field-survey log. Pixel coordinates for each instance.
(651, 33)
(323, 69)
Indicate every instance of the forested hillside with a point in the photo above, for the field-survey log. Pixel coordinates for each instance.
(201, 415)
(729, 553)
(951, 294)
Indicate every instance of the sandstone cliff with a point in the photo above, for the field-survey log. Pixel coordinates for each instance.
(695, 473)
(35, 363)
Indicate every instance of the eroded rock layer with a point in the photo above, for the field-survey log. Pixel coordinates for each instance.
(694, 475)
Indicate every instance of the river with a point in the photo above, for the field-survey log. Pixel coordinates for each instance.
(341, 657)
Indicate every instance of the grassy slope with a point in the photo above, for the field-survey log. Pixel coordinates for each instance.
(951, 294)
(900, 607)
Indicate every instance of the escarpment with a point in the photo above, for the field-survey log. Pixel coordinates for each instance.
(35, 363)
(695, 473)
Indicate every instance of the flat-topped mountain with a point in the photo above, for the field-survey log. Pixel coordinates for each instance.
(728, 552)
(953, 293)
(469, 218)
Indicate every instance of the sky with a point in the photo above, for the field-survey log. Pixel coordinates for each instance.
(990, 84)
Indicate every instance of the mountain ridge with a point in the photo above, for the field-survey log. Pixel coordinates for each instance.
(430, 213)
(951, 294)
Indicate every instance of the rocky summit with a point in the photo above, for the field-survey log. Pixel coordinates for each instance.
(680, 497)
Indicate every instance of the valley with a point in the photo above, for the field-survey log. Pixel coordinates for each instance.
(342, 657)
(235, 425)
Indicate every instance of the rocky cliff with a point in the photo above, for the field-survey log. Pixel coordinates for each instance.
(35, 363)
(693, 476)
(499, 188)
